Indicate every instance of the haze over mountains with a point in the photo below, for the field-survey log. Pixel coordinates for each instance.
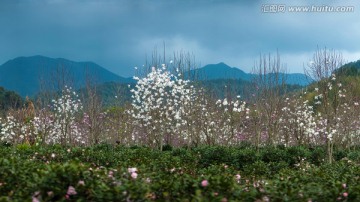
(28, 75)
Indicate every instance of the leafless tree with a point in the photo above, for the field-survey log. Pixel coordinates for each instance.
(270, 86)
(323, 64)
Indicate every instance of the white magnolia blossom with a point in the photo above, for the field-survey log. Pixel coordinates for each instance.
(298, 123)
(65, 129)
(161, 103)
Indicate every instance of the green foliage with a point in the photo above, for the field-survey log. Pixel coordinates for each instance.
(349, 69)
(100, 173)
(9, 99)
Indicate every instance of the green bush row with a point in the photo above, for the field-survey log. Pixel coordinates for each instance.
(100, 173)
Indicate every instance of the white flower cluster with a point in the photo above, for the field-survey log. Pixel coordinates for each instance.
(12, 130)
(59, 126)
(17, 127)
(229, 118)
(298, 123)
(65, 128)
(160, 102)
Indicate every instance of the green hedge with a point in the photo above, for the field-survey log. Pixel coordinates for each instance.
(100, 173)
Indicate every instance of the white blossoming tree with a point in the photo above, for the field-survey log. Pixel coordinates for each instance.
(65, 128)
(231, 114)
(161, 101)
(329, 95)
(298, 125)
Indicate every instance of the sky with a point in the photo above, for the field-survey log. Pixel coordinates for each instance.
(122, 34)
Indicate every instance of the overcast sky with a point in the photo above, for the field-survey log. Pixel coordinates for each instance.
(118, 35)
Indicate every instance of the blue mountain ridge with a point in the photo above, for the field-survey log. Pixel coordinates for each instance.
(223, 71)
(24, 75)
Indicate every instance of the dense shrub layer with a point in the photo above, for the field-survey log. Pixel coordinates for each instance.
(243, 173)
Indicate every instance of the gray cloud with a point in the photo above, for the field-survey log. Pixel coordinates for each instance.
(119, 34)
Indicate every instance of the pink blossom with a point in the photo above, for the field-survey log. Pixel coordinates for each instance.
(345, 194)
(34, 197)
(81, 182)
(204, 183)
(71, 191)
(344, 186)
(134, 175)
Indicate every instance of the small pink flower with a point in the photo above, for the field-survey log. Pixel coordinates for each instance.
(34, 199)
(71, 191)
(204, 183)
(67, 196)
(226, 166)
(81, 182)
(110, 175)
(238, 177)
(345, 194)
(344, 186)
(134, 175)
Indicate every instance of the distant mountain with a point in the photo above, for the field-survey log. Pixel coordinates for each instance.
(220, 71)
(29, 75)
(223, 71)
(25, 74)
